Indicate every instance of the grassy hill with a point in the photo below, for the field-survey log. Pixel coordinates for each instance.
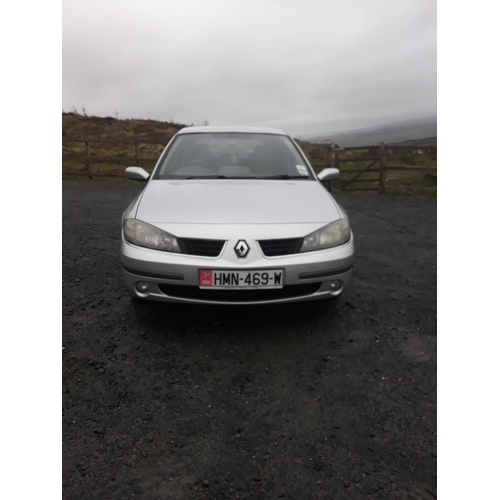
(76, 127)
(122, 133)
(390, 133)
(111, 143)
(426, 141)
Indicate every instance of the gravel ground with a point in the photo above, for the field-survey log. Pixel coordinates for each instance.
(312, 401)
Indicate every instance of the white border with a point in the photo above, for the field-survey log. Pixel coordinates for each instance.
(31, 242)
(468, 250)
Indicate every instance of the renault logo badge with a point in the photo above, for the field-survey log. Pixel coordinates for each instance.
(241, 249)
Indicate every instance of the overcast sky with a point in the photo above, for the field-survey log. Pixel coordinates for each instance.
(306, 66)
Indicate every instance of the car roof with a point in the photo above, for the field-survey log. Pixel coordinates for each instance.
(244, 130)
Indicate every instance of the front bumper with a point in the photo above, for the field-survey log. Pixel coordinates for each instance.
(175, 277)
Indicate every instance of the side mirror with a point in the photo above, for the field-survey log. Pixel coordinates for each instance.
(329, 174)
(136, 174)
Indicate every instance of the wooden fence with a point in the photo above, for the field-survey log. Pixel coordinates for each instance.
(347, 160)
(375, 160)
(88, 159)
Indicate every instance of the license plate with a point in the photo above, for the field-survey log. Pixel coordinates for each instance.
(241, 280)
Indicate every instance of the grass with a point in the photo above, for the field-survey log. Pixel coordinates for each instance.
(397, 181)
(157, 134)
(79, 127)
(76, 126)
(428, 141)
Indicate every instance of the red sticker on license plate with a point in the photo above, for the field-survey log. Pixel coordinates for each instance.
(205, 277)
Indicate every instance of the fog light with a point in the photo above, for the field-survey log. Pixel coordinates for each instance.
(142, 287)
(335, 285)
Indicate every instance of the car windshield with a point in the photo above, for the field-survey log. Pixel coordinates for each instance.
(232, 156)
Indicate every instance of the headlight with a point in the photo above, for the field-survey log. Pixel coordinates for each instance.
(145, 235)
(336, 233)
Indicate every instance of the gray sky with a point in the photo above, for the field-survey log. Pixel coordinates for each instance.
(305, 66)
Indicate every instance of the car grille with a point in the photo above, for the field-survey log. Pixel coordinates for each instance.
(205, 248)
(193, 292)
(273, 248)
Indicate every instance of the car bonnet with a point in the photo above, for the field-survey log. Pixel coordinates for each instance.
(227, 201)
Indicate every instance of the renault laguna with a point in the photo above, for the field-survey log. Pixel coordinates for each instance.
(235, 215)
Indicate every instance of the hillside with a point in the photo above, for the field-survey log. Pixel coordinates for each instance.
(426, 141)
(118, 137)
(409, 130)
(117, 151)
(122, 132)
(76, 127)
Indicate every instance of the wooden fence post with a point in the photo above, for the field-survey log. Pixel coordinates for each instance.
(329, 164)
(336, 162)
(328, 155)
(87, 150)
(382, 169)
(136, 153)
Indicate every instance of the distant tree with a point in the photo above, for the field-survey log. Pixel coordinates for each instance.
(206, 123)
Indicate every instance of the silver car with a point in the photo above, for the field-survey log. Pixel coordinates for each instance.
(235, 215)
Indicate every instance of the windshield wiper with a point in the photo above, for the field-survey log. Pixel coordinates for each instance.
(284, 176)
(216, 176)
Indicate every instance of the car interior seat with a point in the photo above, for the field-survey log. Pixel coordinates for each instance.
(261, 162)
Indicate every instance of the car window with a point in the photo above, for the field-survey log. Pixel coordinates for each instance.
(232, 155)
